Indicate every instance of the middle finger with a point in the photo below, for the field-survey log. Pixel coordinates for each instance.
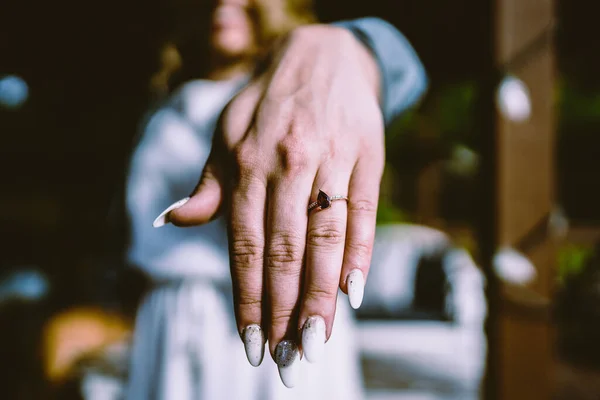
(286, 240)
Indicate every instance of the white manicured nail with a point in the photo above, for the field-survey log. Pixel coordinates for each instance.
(254, 344)
(163, 218)
(287, 358)
(313, 338)
(356, 288)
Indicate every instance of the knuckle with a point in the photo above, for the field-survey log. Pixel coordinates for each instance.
(318, 293)
(286, 252)
(248, 309)
(247, 302)
(360, 250)
(363, 206)
(246, 158)
(246, 250)
(327, 233)
(281, 316)
(293, 153)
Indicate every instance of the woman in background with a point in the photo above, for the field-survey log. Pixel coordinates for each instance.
(186, 345)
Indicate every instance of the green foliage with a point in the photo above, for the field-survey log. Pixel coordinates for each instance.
(577, 107)
(424, 134)
(390, 214)
(449, 112)
(455, 110)
(401, 131)
(447, 116)
(572, 259)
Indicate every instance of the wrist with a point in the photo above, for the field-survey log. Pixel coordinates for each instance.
(368, 64)
(354, 50)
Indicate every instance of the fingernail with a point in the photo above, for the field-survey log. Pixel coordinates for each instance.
(254, 344)
(163, 218)
(313, 338)
(287, 358)
(356, 288)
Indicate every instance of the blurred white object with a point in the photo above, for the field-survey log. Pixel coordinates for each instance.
(424, 356)
(466, 292)
(513, 267)
(396, 255)
(558, 223)
(13, 91)
(25, 284)
(423, 359)
(463, 161)
(104, 373)
(514, 99)
(102, 387)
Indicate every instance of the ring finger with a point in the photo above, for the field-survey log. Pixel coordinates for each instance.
(325, 244)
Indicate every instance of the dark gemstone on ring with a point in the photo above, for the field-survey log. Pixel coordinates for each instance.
(323, 200)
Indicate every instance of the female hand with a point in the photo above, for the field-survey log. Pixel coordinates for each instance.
(311, 121)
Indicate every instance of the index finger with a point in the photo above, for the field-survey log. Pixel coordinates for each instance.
(246, 247)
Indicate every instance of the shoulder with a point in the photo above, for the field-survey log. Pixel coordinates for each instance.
(166, 118)
(169, 142)
(163, 129)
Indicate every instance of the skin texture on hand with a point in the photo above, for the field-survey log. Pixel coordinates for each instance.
(310, 121)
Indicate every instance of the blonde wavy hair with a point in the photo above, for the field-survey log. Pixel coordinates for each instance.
(274, 22)
(183, 55)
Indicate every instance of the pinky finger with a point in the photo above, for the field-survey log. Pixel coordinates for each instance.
(363, 195)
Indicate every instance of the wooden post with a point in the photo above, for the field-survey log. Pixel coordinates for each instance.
(519, 179)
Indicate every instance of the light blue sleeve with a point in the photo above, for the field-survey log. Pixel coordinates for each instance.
(403, 77)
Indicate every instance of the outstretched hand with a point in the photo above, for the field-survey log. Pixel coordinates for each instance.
(310, 122)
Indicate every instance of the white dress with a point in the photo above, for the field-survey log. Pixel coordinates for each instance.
(186, 344)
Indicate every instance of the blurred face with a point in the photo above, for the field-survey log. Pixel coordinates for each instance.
(232, 28)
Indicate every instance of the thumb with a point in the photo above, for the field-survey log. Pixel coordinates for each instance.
(201, 207)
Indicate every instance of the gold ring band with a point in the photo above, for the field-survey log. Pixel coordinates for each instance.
(324, 201)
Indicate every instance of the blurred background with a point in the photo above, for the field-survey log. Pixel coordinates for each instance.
(490, 189)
